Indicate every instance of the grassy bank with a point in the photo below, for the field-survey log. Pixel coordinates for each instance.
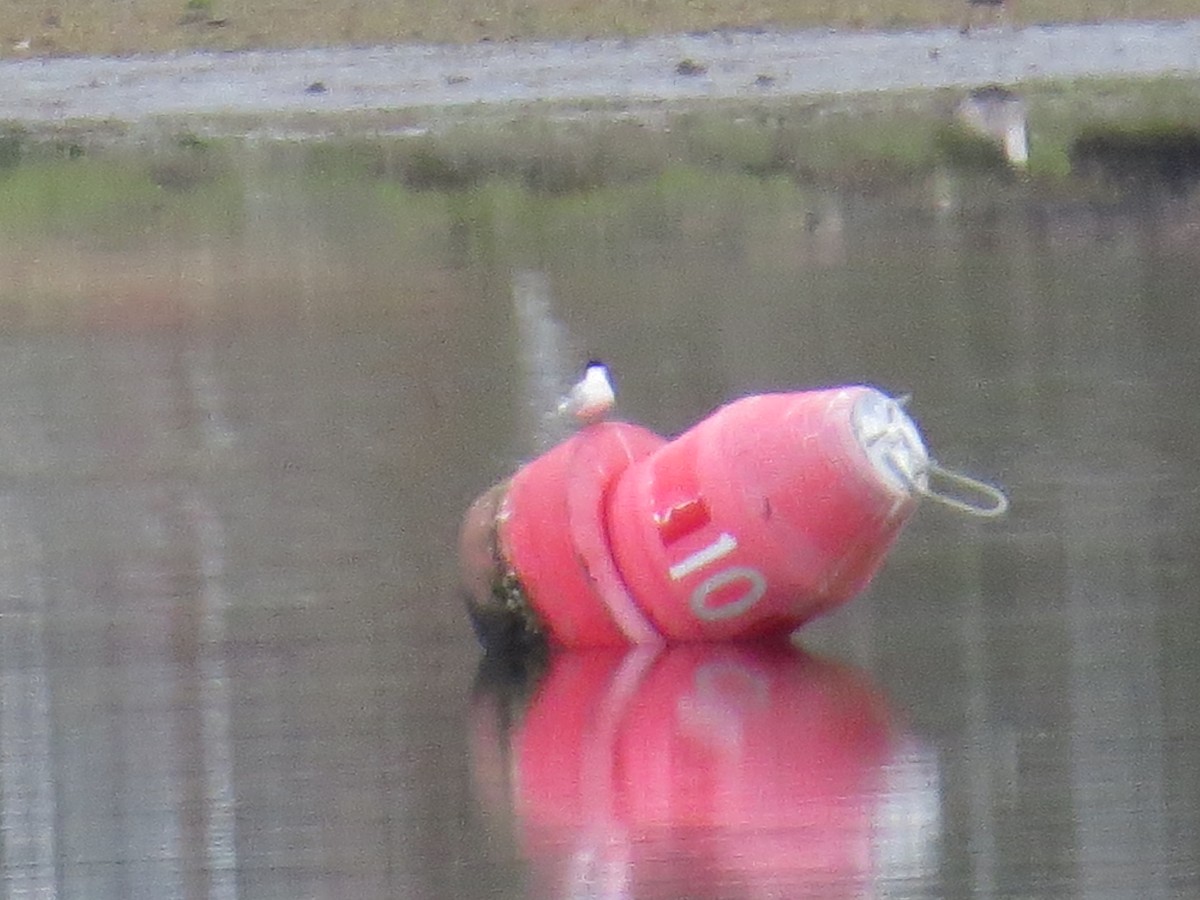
(166, 229)
(868, 143)
(40, 27)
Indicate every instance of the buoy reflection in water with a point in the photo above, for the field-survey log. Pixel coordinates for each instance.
(697, 770)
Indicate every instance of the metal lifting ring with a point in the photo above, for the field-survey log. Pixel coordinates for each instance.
(997, 502)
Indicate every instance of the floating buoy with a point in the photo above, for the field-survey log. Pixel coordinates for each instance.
(775, 509)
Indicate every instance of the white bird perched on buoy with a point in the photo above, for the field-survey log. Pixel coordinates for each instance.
(592, 397)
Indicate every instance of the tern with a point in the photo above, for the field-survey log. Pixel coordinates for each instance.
(592, 397)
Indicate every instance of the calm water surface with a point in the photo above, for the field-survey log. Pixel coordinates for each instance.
(232, 464)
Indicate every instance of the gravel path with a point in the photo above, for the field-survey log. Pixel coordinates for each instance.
(636, 73)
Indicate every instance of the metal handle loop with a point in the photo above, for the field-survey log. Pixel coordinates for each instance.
(994, 498)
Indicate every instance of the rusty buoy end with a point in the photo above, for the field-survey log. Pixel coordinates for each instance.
(497, 603)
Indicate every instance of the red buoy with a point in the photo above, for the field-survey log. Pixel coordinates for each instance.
(773, 510)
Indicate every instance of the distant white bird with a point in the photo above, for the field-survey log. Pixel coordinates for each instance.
(997, 113)
(592, 397)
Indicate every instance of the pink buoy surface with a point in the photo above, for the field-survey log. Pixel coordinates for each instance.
(766, 514)
(773, 510)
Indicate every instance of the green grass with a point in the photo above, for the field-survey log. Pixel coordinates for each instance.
(52, 187)
(134, 26)
(1059, 112)
(75, 208)
(894, 142)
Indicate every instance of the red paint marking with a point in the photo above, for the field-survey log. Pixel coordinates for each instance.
(681, 520)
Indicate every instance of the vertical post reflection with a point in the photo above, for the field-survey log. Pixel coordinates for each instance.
(1109, 531)
(220, 843)
(116, 766)
(28, 810)
(208, 535)
(544, 351)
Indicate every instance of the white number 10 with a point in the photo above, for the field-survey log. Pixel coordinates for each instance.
(755, 582)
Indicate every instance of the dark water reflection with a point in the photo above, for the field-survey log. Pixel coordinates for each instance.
(233, 461)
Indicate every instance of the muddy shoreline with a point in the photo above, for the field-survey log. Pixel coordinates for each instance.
(412, 86)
